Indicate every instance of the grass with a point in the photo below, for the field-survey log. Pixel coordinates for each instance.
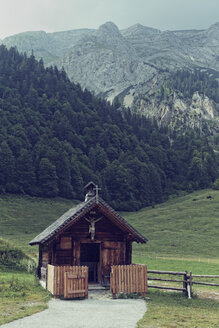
(202, 266)
(20, 294)
(172, 310)
(182, 235)
(20, 291)
(22, 218)
(185, 226)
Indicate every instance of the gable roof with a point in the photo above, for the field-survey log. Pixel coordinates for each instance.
(76, 212)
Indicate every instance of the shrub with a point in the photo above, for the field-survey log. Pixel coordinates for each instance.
(216, 184)
(14, 258)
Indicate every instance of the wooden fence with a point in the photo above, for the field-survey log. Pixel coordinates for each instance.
(70, 281)
(186, 280)
(128, 279)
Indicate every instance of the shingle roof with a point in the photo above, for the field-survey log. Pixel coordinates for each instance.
(75, 213)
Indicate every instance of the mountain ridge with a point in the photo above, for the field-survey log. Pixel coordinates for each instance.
(111, 62)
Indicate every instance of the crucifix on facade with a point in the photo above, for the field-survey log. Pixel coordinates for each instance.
(92, 226)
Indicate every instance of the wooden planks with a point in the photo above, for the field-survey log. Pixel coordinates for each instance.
(66, 243)
(70, 281)
(128, 279)
(50, 278)
(76, 282)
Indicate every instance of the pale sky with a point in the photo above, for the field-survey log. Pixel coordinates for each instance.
(58, 15)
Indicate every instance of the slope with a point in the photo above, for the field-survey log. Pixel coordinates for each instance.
(184, 226)
(55, 138)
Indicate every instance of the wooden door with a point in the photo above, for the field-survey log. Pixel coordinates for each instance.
(76, 283)
(113, 253)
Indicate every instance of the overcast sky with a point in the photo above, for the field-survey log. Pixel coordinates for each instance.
(57, 15)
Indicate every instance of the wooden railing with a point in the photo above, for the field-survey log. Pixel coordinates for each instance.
(186, 280)
(128, 279)
(70, 281)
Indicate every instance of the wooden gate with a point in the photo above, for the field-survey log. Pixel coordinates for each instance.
(70, 281)
(76, 283)
(128, 279)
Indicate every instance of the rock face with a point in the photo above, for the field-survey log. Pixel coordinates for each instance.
(176, 112)
(129, 63)
(105, 62)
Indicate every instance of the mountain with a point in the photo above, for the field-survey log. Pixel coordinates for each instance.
(55, 138)
(176, 49)
(49, 46)
(131, 64)
(130, 50)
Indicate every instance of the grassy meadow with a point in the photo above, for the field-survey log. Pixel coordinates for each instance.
(182, 235)
(185, 226)
(21, 295)
(171, 310)
(22, 218)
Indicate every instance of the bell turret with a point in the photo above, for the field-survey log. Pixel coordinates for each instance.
(90, 190)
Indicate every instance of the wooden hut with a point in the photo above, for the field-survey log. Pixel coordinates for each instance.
(91, 233)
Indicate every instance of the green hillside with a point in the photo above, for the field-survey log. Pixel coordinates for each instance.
(22, 218)
(181, 227)
(185, 226)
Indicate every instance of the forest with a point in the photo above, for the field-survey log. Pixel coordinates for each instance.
(56, 137)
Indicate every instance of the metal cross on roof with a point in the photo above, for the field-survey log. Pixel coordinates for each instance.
(97, 193)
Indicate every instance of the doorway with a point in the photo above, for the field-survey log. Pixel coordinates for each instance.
(90, 256)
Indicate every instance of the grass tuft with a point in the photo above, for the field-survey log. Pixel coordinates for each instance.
(21, 295)
(172, 310)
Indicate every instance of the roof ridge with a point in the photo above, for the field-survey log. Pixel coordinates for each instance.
(74, 214)
(121, 218)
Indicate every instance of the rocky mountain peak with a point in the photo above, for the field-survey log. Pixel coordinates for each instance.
(140, 29)
(214, 26)
(109, 28)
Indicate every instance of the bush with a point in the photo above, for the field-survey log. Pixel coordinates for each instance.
(215, 185)
(14, 258)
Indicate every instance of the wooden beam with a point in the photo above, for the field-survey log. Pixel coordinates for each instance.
(170, 288)
(166, 272)
(171, 280)
(204, 283)
(204, 276)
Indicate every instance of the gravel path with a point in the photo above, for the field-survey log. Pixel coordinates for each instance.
(95, 312)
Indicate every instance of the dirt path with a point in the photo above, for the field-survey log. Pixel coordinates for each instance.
(92, 313)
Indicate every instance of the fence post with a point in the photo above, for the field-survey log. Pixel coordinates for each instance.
(185, 283)
(190, 282)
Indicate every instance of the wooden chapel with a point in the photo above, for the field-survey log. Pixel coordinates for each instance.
(91, 233)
